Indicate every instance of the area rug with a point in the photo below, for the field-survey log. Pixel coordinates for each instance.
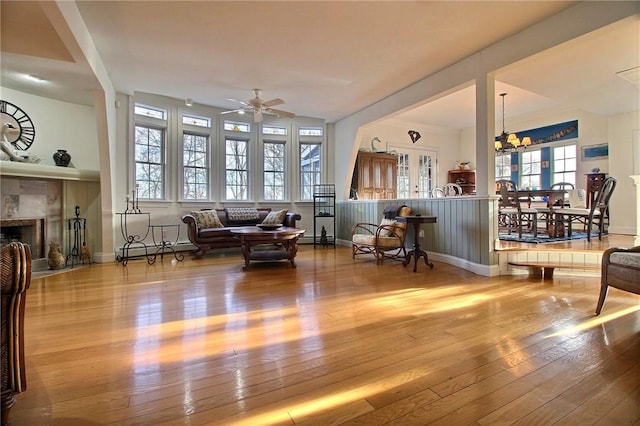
(541, 239)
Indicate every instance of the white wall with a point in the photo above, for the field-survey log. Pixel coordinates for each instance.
(442, 141)
(59, 125)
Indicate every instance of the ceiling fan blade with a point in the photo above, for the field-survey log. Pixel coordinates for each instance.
(257, 116)
(239, 102)
(281, 113)
(232, 111)
(272, 102)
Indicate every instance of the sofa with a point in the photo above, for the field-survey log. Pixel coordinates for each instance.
(620, 269)
(211, 228)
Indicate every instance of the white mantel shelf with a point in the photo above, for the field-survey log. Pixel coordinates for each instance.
(44, 171)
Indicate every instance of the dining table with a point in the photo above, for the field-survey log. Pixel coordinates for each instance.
(548, 195)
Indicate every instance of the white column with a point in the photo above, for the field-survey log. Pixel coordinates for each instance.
(636, 182)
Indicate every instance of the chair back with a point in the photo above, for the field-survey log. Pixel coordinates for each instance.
(563, 185)
(15, 278)
(508, 193)
(604, 195)
(452, 190)
(437, 193)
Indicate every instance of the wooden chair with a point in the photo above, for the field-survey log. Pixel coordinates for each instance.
(591, 216)
(384, 241)
(511, 213)
(543, 211)
(15, 276)
(620, 269)
(452, 190)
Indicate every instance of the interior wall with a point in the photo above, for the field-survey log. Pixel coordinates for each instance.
(59, 125)
(395, 136)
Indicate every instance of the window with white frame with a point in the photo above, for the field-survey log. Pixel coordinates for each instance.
(503, 166)
(310, 160)
(236, 169)
(274, 170)
(149, 145)
(195, 166)
(310, 171)
(403, 176)
(531, 167)
(565, 164)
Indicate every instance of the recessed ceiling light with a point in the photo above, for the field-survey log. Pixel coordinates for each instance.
(241, 112)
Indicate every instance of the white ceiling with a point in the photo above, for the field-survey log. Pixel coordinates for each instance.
(325, 59)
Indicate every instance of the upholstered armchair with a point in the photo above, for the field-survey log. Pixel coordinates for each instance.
(15, 275)
(620, 269)
(385, 240)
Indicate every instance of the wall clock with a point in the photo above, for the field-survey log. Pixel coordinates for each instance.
(15, 118)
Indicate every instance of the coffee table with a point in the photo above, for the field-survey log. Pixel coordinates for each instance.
(268, 245)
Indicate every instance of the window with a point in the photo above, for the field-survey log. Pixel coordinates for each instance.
(403, 176)
(309, 169)
(425, 176)
(530, 177)
(151, 112)
(233, 126)
(195, 160)
(194, 120)
(503, 166)
(149, 162)
(310, 139)
(236, 169)
(274, 170)
(564, 164)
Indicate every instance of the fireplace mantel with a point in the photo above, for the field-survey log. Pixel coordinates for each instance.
(44, 171)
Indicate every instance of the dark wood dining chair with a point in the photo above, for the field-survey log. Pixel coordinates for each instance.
(592, 216)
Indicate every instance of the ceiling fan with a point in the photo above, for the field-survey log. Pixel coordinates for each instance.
(259, 106)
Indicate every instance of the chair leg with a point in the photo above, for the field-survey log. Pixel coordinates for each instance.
(603, 294)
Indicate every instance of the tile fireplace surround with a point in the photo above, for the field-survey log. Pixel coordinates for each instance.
(37, 200)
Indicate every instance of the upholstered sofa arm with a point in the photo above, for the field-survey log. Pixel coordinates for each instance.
(620, 269)
(291, 218)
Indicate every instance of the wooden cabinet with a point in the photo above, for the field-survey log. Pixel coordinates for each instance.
(465, 178)
(375, 176)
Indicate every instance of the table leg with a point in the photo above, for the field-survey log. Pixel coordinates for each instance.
(417, 253)
(246, 252)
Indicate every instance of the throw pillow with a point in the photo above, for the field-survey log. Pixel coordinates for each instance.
(242, 214)
(275, 218)
(388, 224)
(207, 219)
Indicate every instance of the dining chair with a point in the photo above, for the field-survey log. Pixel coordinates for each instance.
(437, 193)
(544, 210)
(592, 216)
(511, 213)
(452, 190)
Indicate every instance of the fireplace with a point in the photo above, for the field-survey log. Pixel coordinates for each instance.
(27, 231)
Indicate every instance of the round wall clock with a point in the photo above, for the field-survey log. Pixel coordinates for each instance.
(15, 118)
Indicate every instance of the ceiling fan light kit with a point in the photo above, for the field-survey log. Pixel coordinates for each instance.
(259, 106)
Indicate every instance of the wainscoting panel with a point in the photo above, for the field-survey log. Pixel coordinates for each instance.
(463, 230)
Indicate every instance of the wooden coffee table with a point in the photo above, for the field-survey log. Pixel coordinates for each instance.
(268, 245)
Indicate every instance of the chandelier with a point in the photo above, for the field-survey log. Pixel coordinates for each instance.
(508, 142)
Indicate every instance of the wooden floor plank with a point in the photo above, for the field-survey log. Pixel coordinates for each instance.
(334, 341)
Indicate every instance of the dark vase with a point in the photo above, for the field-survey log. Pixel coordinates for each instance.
(61, 158)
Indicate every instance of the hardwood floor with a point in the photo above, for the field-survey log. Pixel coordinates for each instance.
(335, 341)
